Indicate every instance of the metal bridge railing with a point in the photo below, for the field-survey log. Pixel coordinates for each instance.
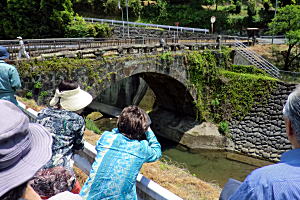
(256, 59)
(176, 28)
(37, 47)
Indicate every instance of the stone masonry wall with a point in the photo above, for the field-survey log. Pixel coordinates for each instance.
(262, 132)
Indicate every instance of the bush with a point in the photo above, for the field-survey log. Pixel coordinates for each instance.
(224, 127)
(79, 28)
(222, 94)
(90, 124)
(248, 69)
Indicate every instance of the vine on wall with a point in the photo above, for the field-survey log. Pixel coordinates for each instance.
(224, 94)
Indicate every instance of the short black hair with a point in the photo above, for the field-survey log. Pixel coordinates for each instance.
(132, 122)
(67, 85)
(15, 193)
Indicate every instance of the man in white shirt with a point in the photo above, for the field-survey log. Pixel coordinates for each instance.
(22, 51)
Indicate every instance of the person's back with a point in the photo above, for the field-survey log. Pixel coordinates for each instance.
(67, 131)
(117, 164)
(64, 122)
(277, 182)
(9, 78)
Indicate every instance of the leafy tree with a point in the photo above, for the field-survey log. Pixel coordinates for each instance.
(57, 14)
(287, 22)
(35, 18)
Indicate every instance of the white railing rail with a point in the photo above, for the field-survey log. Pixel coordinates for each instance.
(167, 27)
(256, 59)
(83, 160)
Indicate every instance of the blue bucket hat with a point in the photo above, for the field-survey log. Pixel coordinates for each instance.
(24, 147)
(3, 53)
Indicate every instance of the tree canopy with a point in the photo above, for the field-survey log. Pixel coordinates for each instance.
(287, 22)
(35, 18)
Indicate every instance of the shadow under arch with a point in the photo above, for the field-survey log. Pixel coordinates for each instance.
(173, 112)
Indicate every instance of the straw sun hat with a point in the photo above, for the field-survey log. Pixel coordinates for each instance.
(25, 147)
(72, 100)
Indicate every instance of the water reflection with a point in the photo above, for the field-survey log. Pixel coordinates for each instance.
(211, 166)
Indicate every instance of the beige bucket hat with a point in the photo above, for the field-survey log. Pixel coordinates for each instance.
(72, 100)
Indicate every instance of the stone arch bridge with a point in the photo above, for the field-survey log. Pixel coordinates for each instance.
(168, 79)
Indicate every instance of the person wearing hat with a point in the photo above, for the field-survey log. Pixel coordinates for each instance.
(22, 51)
(9, 78)
(65, 124)
(25, 148)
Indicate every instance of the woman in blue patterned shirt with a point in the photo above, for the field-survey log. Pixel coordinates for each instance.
(65, 124)
(120, 156)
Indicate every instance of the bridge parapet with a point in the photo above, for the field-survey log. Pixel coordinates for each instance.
(42, 47)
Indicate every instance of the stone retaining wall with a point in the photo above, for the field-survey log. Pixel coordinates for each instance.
(262, 132)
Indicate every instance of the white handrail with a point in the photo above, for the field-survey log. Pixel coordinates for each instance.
(149, 25)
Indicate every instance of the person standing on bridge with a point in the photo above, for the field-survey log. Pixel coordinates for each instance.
(120, 156)
(279, 181)
(22, 51)
(9, 78)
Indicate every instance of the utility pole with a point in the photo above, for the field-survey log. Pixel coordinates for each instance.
(127, 18)
(119, 6)
(274, 17)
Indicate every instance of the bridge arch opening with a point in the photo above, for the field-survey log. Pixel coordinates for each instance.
(173, 105)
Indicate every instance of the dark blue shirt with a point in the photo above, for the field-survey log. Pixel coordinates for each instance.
(280, 181)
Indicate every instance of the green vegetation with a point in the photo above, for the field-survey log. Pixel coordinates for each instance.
(248, 69)
(232, 16)
(90, 124)
(56, 18)
(44, 19)
(80, 28)
(287, 22)
(224, 94)
(167, 56)
(224, 127)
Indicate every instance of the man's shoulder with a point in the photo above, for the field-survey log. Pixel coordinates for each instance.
(273, 173)
(6, 65)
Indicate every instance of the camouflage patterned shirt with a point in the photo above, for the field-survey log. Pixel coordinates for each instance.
(67, 129)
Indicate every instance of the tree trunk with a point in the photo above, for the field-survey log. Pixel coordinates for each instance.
(287, 59)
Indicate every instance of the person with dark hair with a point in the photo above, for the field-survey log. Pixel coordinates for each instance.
(66, 126)
(9, 78)
(65, 123)
(120, 156)
(25, 148)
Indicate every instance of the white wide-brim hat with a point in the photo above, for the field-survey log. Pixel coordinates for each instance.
(19, 37)
(72, 100)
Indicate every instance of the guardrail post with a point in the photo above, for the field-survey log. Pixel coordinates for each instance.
(219, 42)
